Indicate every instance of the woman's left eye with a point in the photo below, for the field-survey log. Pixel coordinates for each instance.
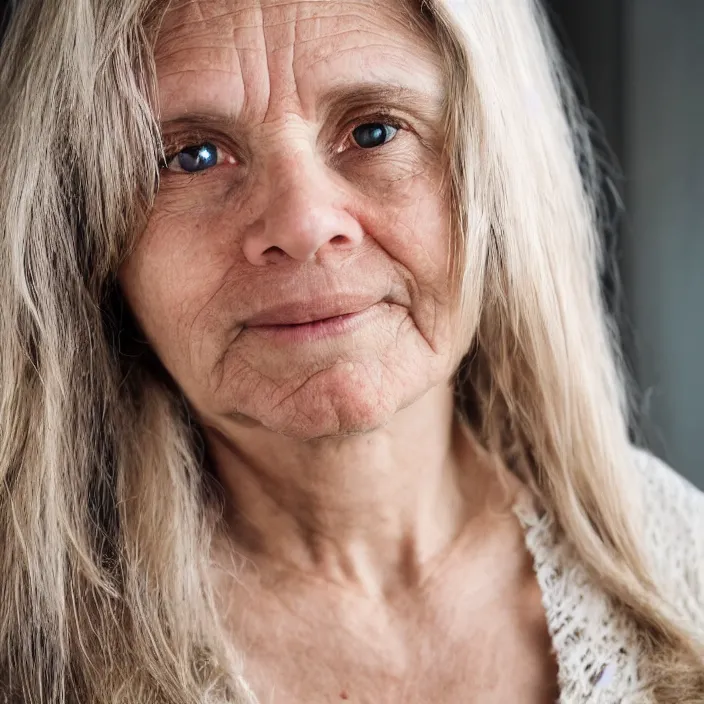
(194, 158)
(373, 134)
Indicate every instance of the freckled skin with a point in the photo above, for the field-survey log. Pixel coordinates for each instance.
(302, 213)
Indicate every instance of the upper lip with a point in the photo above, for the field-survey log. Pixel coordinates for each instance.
(311, 310)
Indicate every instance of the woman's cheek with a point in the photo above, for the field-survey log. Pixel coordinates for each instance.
(391, 172)
(196, 197)
(396, 191)
(405, 208)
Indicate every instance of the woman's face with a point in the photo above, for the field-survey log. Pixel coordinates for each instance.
(294, 269)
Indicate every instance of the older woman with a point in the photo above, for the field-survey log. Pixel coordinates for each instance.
(306, 389)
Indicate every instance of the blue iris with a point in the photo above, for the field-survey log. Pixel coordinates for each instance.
(198, 157)
(373, 134)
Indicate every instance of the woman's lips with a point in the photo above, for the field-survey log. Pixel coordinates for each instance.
(311, 310)
(315, 329)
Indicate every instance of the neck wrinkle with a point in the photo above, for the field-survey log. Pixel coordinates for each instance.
(369, 512)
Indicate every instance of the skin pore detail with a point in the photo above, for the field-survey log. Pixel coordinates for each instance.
(293, 281)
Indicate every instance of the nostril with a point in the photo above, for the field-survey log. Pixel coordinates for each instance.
(338, 239)
(277, 251)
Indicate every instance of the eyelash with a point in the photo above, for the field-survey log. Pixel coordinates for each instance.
(173, 149)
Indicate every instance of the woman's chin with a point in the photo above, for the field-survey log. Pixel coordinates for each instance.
(336, 402)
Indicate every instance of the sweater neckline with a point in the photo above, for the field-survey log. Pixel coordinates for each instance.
(595, 644)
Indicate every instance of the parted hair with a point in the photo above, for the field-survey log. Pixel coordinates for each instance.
(107, 511)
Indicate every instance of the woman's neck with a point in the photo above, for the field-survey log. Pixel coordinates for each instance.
(370, 510)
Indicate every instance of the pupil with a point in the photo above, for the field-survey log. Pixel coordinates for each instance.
(198, 157)
(371, 135)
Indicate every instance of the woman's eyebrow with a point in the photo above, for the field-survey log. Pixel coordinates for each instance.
(333, 103)
(200, 121)
(426, 105)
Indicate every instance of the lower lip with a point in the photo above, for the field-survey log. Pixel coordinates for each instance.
(316, 330)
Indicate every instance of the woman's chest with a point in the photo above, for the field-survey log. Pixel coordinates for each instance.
(489, 651)
(486, 675)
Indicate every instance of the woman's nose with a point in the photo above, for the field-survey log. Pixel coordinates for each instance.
(303, 217)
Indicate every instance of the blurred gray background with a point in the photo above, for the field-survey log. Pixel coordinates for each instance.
(642, 63)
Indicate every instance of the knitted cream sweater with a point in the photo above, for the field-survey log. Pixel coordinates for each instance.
(597, 647)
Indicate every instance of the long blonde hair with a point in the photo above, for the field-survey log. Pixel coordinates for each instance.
(106, 513)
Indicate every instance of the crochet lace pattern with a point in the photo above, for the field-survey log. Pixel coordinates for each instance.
(597, 647)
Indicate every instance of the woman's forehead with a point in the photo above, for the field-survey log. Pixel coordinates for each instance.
(239, 56)
(283, 22)
(195, 11)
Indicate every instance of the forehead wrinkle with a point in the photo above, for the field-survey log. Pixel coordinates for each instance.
(294, 36)
(207, 20)
(199, 9)
(213, 29)
(283, 82)
(216, 18)
(209, 42)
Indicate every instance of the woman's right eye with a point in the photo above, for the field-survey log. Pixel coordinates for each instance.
(197, 157)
